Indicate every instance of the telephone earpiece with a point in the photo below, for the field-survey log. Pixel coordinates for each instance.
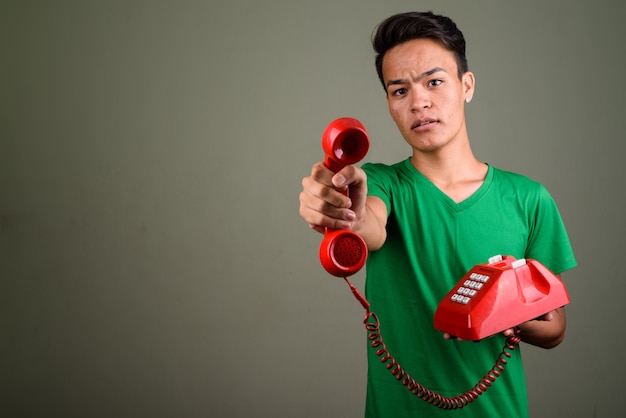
(344, 141)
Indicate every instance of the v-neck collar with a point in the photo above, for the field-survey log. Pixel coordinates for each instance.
(424, 181)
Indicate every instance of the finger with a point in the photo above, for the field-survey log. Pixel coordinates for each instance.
(320, 214)
(508, 332)
(545, 317)
(315, 210)
(322, 188)
(349, 176)
(355, 180)
(451, 337)
(317, 228)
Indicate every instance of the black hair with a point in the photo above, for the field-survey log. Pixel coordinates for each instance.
(404, 27)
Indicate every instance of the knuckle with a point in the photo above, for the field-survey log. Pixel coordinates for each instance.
(317, 170)
(325, 192)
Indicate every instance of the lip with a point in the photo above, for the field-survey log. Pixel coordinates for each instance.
(424, 124)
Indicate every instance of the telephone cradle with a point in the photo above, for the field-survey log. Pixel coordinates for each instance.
(497, 295)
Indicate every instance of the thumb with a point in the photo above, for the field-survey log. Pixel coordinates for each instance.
(354, 180)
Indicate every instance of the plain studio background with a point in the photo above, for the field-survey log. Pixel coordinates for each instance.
(152, 259)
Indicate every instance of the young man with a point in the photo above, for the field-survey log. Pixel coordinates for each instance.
(429, 219)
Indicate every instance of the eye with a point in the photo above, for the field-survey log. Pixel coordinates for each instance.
(434, 83)
(399, 92)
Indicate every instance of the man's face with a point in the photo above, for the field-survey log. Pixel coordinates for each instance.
(425, 96)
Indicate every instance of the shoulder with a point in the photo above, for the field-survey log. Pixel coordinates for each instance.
(511, 177)
(518, 183)
(380, 172)
(524, 191)
(382, 169)
(385, 181)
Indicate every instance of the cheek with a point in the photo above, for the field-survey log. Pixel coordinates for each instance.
(395, 115)
(454, 109)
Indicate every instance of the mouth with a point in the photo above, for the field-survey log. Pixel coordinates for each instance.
(423, 124)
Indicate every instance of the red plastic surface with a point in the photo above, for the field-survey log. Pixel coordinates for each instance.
(345, 142)
(512, 295)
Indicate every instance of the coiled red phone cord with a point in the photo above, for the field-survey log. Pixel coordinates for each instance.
(372, 325)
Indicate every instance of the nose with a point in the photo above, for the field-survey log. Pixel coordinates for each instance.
(420, 99)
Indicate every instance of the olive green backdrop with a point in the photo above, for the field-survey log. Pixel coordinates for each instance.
(152, 260)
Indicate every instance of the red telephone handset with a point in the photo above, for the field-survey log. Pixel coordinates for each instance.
(344, 141)
(498, 295)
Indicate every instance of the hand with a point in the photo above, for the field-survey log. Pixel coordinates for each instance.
(451, 337)
(545, 317)
(323, 203)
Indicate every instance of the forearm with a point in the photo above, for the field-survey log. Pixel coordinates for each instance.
(371, 224)
(545, 333)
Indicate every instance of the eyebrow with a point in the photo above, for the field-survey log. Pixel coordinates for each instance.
(419, 77)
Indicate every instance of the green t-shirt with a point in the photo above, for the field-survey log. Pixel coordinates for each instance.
(431, 243)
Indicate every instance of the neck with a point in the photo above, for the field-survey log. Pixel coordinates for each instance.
(457, 173)
(447, 165)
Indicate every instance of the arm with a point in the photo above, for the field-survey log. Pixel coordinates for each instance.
(547, 331)
(323, 205)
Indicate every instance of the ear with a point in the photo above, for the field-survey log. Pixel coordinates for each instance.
(468, 82)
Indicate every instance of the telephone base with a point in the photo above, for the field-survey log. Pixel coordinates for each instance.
(498, 295)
